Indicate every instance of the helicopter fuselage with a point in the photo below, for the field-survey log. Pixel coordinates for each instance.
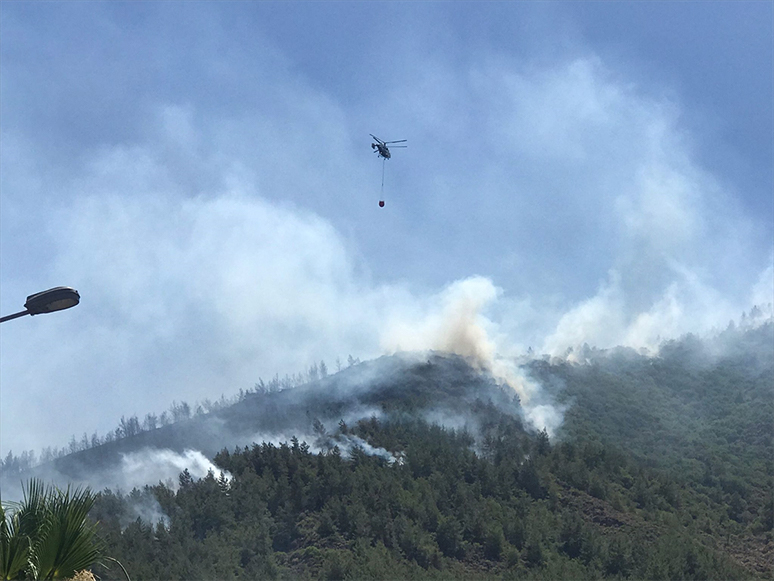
(381, 150)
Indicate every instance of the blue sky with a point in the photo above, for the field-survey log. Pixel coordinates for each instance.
(202, 173)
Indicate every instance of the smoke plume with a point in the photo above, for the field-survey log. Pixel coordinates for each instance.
(152, 465)
(455, 322)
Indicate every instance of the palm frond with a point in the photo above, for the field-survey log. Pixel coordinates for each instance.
(14, 548)
(32, 510)
(48, 534)
(67, 543)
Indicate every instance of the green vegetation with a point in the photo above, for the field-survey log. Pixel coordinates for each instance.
(48, 534)
(521, 508)
(662, 470)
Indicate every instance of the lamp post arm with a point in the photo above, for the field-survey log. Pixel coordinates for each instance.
(49, 301)
(14, 316)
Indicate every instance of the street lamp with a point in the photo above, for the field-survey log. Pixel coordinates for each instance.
(53, 299)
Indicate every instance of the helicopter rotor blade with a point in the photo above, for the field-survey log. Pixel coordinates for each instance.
(377, 139)
(399, 141)
(395, 146)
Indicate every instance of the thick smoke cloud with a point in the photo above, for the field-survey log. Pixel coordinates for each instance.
(214, 248)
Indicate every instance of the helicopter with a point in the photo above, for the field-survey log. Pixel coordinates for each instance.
(380, 147)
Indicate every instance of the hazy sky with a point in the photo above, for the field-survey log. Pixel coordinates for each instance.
(202, 173)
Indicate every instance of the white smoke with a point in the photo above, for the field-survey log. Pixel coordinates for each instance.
(151, 465)
(324, 443)
(762, 294)
(348, 443)
(147, 466)
(142, 504)
(686, 304)
(684, 255)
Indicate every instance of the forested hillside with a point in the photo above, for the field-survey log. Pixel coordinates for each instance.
(422, 467)
(662, 470)
(700, 414)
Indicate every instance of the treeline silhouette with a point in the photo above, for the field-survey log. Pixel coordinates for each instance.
(15, 466)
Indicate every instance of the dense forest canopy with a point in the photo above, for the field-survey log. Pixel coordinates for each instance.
(426, 468)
